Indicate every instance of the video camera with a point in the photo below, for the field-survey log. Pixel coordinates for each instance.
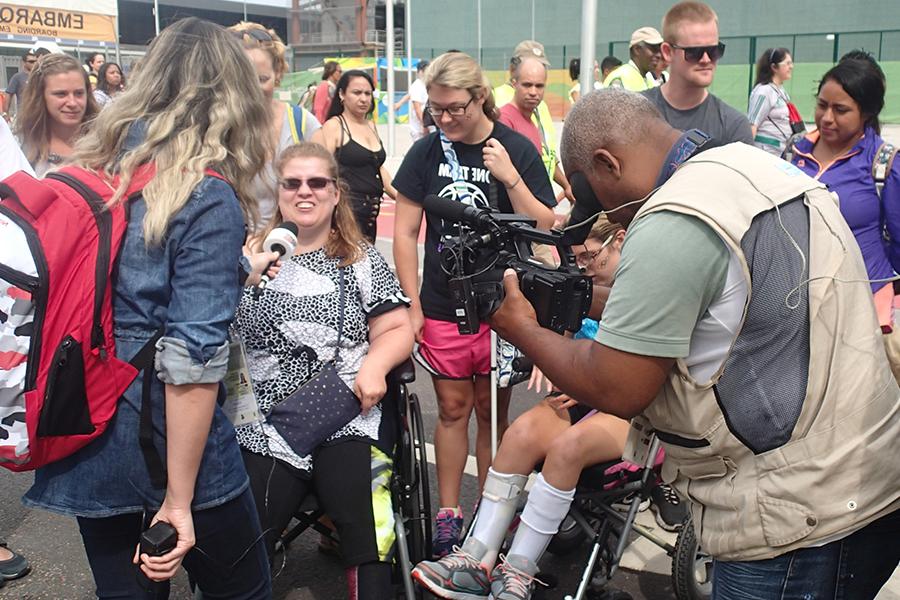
(487, 244)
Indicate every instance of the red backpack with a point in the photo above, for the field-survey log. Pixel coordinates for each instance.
(60, 380)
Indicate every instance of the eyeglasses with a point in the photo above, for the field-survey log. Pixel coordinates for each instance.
(260, 35)
(585, 259)
(694, 54)
(315, 183)
(453, 111)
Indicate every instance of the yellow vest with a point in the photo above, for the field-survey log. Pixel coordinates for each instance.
(627, 76)
(542, 119)
(838, 470)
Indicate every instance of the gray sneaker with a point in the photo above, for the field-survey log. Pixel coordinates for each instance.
(513, 578)
(457, 576)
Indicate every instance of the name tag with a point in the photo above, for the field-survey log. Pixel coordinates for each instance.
(240, 402)
(637, 444)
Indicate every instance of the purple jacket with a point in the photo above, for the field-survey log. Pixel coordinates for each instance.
(850, 176)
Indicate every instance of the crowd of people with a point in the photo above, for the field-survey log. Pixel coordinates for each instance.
(758, 398)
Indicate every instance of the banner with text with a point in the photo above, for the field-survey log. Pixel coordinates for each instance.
(56, 23)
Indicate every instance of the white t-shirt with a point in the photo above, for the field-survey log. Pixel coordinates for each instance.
(417, 93)
(11, 157)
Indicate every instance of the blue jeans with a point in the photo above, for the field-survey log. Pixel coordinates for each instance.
(228, 561)
(853, 568)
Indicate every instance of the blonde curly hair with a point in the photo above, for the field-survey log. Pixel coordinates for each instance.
(196, 96)
(255, 36)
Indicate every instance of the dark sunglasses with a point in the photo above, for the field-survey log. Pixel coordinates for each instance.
(694, 54)
(257, 34)
(314, 183)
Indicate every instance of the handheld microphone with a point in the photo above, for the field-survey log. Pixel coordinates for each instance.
(283, 240)
(452, 210)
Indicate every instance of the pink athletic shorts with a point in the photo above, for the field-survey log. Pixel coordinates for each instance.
(447, 354)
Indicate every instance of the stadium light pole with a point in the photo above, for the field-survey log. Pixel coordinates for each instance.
(588, 40)
(532, 20)
(478, 58)
(389, 13)
(408, 38)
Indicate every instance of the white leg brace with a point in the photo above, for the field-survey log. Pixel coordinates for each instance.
(545, 510)
(496, 511)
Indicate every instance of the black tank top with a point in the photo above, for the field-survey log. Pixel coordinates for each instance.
(360, 167)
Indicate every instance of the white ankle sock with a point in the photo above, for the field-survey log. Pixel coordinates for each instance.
(545, 510)
(496, 511)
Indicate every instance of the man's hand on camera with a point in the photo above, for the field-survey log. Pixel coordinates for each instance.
(515, 314)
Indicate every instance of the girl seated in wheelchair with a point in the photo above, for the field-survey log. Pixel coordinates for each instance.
(567, 437)
(334, 313)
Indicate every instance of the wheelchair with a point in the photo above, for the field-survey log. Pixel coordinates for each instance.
(592, 517)
(410, 494)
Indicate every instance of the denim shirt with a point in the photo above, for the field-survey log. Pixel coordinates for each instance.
(188, 286)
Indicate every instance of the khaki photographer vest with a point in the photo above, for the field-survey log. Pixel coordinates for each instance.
(840, 469)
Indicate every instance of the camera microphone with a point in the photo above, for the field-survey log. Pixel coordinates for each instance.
(283, 240)
(455, 211)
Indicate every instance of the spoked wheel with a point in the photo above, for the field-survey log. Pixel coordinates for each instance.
(691, 567)
(417, 478)
(411, 491)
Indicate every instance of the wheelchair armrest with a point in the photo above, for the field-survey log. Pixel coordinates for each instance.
(405, 372)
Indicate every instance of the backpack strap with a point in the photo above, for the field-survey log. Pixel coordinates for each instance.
(144, 361)
(881, 165)
(295, 114)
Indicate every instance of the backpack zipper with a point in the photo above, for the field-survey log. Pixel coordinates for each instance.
(39, 291)
(101, 273)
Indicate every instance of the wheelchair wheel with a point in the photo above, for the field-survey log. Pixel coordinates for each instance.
(420, 495)
(568, 539)
(691, 567)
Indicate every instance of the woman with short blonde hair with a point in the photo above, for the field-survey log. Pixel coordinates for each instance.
(481, 162)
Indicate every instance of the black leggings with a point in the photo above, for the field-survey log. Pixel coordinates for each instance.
(342, 479)
(228, 560)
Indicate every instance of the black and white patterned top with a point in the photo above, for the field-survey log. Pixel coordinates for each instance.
(290, 332)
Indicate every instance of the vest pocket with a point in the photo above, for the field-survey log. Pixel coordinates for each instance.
(785, 522)
(65, 410)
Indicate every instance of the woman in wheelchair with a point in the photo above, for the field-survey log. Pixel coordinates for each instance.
(567, 437)
(332, 320)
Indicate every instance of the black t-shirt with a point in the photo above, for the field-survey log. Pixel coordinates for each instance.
(425, 171)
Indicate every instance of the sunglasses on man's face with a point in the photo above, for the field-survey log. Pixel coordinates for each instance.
(315, 183)
(694, 54)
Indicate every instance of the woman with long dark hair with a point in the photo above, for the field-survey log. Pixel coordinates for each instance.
(352, 135)
(194, 105)
(847, 151)
(110, 82)
(768, 114)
